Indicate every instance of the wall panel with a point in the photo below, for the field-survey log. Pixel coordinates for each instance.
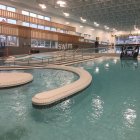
(27, 32)
(20, 17)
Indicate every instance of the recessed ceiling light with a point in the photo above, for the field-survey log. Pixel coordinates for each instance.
(135, 28)
(81, 26)
(61, 3)
(43, 6)
(67, 23)
(66, 14)
(84, 20)
(106, 27)
(114, 30)
(96, 24)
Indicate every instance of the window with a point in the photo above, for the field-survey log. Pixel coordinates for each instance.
(47, 44)
(12, 41)
(33, 25)
(2, 19)
(25, 13)
(40, 27)
(32, 15)
(12, 21)
(3, 7)
(47, 28)
(11, 9)
(34, 43)
(2, 38)
(40, 17)
(41, 43)
(53, 29)
(61, 31)
(52, 44)
(25, 24)
(48, 18)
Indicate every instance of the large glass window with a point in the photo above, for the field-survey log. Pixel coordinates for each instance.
(33, 25)
(12, 41)
(47, 28)
(25, 24)
(47, 44)
(34, 43)
(12, 21)
(48, 18)
(40, 27)
(53, 29)
(61, 31)
(3, 7)
(52, 44)
(2, 38)
(33, 15)
(9, 40)
(25, 13)
(3, 19)
(11, 9)
(41, 43)
(40, 17)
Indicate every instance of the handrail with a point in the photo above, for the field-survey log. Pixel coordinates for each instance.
(73, 55)
(76, 50)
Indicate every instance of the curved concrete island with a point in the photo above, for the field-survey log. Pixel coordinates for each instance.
(52, 96)
(14, 79)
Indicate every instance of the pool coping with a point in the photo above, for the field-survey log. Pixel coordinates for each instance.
(8, 80)
(55, 95)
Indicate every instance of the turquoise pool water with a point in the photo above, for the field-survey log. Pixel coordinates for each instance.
(109, 109)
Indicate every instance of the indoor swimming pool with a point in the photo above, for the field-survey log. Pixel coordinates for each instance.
(107, 110)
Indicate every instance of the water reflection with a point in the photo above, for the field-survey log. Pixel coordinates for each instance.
(56, 114)
(130, 117)
(97, 70)
(115, 61)
(97, 109)
(129, 63)
(129, 112)
(107, 66)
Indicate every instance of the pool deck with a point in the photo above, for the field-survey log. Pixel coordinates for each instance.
(52, 96)
(14, 79)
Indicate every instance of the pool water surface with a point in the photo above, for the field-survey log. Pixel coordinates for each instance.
(109, 109)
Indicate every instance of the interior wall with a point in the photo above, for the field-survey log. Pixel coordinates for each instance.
(102, 34)
(18, 50)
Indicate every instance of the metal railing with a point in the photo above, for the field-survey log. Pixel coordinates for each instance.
(63, 57)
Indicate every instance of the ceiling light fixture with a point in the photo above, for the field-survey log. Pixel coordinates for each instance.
(67, 23)
(92, 29)
(43, 6)
(135, 28)
(114, 30)
(81, 26)
(61, 3)
(96, 24)
(66, 14)
(106, 27)
(84, 20)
